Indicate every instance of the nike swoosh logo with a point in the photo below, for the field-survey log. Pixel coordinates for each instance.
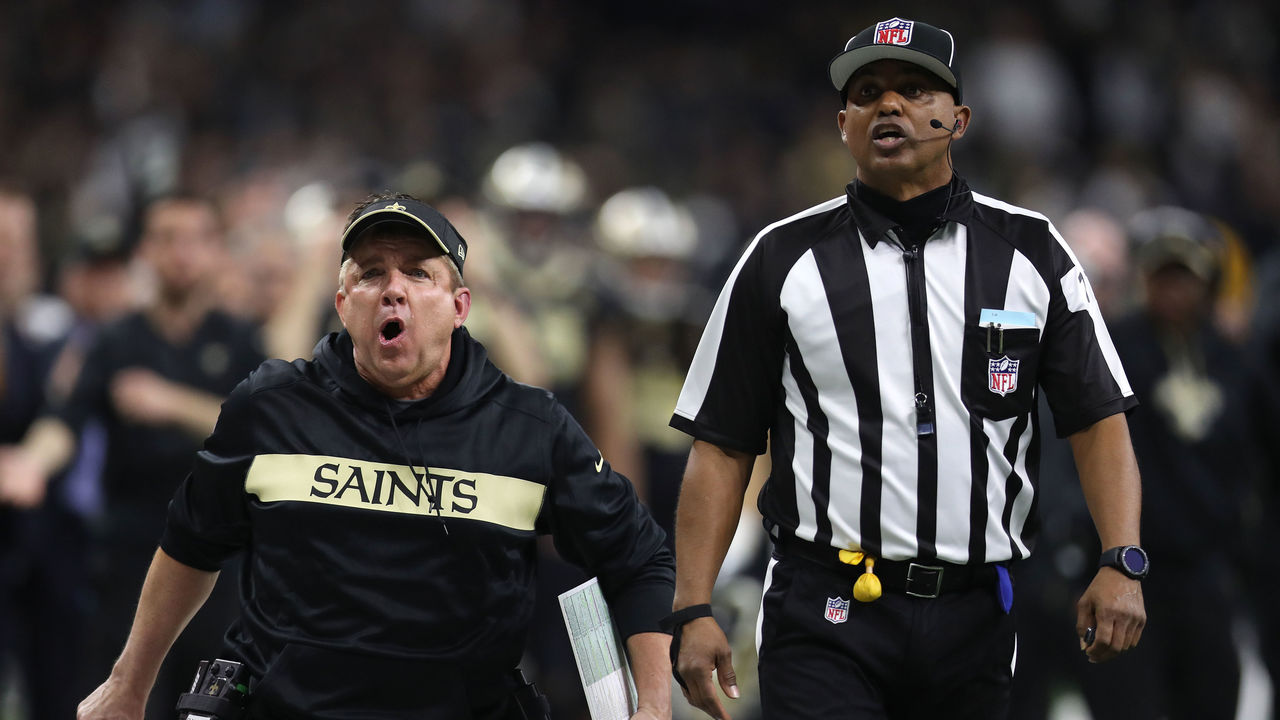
(600, 462)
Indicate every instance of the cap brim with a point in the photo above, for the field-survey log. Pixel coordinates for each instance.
(844, 65)
(389, 216)
(1201, 269)
(1178, 251)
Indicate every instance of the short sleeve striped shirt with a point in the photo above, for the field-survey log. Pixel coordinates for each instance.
(898, 387)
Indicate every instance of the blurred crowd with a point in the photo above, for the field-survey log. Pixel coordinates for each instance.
(607, 163)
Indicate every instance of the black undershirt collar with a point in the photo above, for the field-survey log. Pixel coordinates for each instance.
(916, 218)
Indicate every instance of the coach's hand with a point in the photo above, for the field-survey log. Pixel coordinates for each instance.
(704, 649)
(1112, 606)
(113, 700)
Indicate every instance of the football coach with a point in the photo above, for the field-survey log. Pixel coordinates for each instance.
(387, 497)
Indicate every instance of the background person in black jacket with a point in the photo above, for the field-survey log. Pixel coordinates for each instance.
(153, 381)
(1201, 444)
(42, 585)
(387, 497)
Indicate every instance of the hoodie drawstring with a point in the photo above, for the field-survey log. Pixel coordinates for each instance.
(432, 497)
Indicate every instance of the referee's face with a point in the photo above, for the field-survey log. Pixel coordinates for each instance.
(399, 302)
(886, 126)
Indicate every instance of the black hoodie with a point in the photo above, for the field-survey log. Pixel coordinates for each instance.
(370, 589)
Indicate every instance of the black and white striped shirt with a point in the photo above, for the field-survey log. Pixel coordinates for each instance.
(898, 387)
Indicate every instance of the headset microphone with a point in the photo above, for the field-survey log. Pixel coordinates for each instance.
(951, 135)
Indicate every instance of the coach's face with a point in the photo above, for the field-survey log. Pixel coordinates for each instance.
(885, 125)
(399, 302)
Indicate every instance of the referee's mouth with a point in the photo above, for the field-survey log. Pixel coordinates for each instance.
(888, 136)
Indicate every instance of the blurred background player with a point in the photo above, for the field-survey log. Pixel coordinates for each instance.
(643, 337)
(1199, 442)
(654, 298)
(534, 278)
(280, 259)
(1202, 439)
(540, 261)
(43, 594)
(155, 379)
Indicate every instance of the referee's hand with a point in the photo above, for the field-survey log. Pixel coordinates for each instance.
(1113, 609)
(704, 648)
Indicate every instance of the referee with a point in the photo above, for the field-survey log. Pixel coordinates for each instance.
(889, 343)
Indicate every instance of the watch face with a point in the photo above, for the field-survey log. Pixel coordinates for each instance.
(1134, 560)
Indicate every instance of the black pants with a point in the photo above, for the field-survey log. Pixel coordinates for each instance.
(897, 658)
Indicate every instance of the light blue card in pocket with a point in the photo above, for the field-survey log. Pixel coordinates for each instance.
(1007, 318)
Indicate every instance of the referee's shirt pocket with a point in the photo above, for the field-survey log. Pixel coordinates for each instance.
(998, 374)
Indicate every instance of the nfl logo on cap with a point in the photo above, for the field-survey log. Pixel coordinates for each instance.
(1002, 375)
(837, 610)
(911, 41)
(894, 32)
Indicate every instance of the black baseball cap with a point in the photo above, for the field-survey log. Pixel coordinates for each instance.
(897, 39)
(414, 215)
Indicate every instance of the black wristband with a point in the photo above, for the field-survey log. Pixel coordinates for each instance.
(684, 615)
(674, 624)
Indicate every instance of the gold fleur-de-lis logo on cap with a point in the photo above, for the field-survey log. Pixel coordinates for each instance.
(462, 253)
(395, 206)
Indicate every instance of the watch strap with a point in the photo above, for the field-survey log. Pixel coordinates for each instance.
(674, 624)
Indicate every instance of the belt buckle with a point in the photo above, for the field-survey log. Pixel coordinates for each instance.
(930, 576)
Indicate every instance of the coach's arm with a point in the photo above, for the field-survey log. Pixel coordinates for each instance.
(171, 595)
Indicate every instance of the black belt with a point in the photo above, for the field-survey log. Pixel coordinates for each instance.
(918, 578)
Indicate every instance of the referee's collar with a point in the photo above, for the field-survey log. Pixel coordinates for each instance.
(875, 226)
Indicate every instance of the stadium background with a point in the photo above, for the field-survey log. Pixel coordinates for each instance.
(1077, 103)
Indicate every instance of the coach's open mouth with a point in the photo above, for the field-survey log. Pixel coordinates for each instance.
(391, 329)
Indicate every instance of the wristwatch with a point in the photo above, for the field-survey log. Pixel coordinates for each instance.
(1128, 559)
